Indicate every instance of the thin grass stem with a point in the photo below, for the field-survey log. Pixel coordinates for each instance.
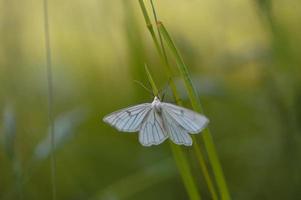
(151, 81)
(196, 148)
(181, 161)
(157, 45)
(159, 34)
(180, 158)
(50, 97)
(149, 26)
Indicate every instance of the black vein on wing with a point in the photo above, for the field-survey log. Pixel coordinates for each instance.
(118, 115)
(175, 133)
(126, 110)
(154, 125)
(175, 130)
(147, 136)
(125, 123)
(135, 117)
(180, 135)
(191, 125)
(117, 118)
(151, 129)
(160, 126)
(141, 114)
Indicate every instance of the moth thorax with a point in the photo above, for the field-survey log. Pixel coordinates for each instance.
(156, 103)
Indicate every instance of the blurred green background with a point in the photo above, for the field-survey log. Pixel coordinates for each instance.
(244, 57)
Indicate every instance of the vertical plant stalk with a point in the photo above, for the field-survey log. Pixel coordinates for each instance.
(151, 81)
(50, 97)
(187, 176)
(179, 156)
(159, 34)
(208, 140)
(149, 26)
(196, 148)
(177, 152)
(157, 45)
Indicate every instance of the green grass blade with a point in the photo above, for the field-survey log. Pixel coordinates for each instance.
(184, 168)
(204, 169)
(160, 53)
(208, 140)
(149, 26)
(182, 67)
(50, 97)
(151, 81)
(179, 157)
(196, 148)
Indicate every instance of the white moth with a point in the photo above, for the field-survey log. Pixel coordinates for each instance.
(157, 121)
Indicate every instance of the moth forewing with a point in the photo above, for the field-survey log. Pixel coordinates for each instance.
(128, 119)
(191, 121)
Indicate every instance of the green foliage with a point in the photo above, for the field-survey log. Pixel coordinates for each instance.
(208, 141)
(179, 156)
(243, 59)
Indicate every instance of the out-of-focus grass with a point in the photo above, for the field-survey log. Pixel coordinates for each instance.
(255, 114)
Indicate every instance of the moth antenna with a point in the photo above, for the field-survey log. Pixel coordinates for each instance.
(163, 95)
(164, 90)
(144, 87)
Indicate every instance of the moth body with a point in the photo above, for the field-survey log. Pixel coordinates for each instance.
(156, 104)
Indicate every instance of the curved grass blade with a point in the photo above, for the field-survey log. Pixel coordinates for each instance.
(196, 148)
(50, 97)
(208, 140)
(180, 158)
